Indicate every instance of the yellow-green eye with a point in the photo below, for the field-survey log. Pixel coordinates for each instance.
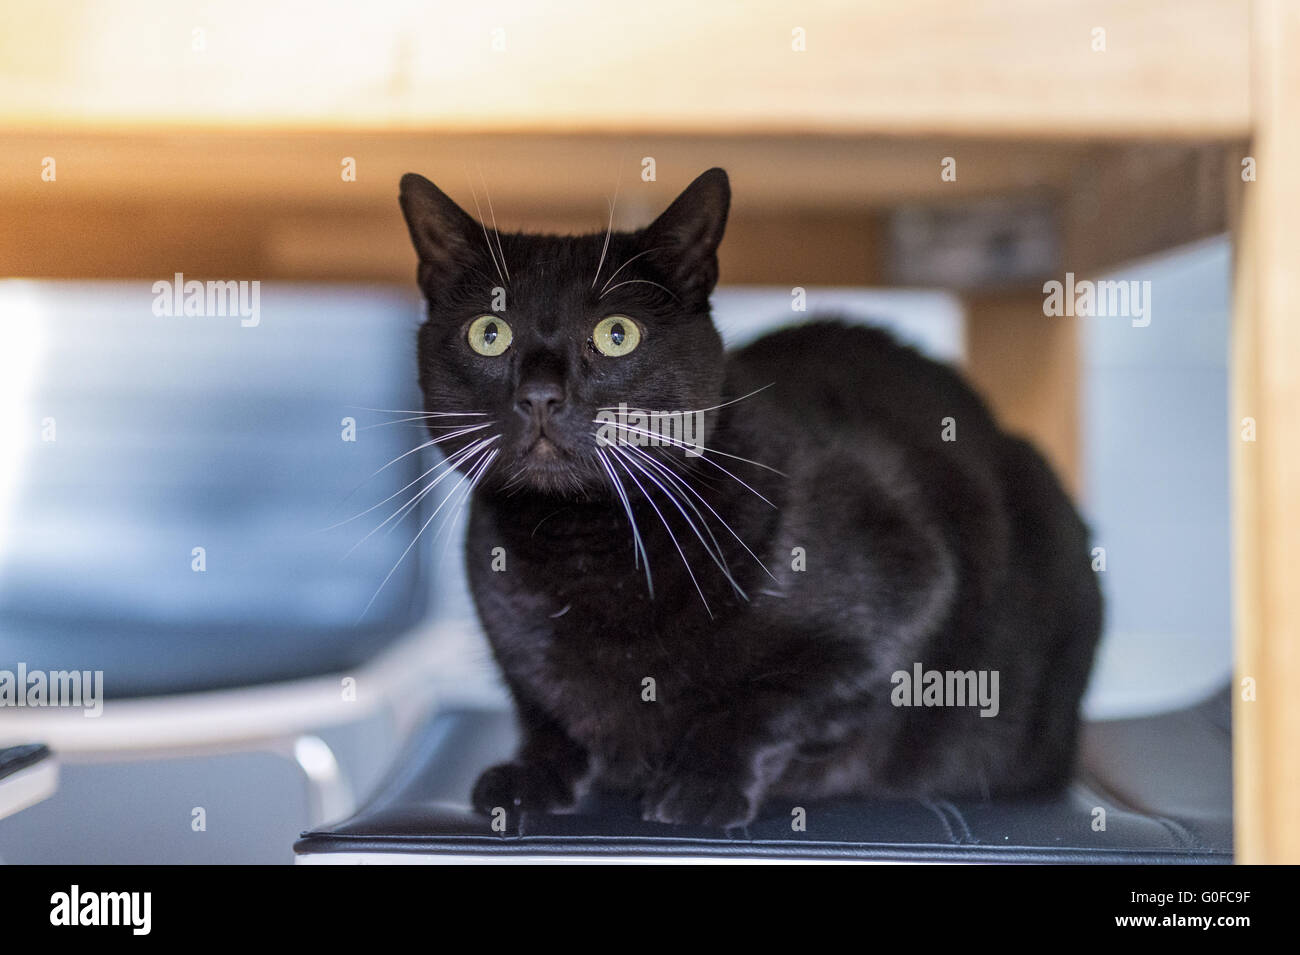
(616, 336)
(489, 335)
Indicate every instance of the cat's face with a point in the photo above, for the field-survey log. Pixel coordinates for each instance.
(529, 337)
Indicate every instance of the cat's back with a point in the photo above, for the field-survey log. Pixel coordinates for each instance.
(828, 377)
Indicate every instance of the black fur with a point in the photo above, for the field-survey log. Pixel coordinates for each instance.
(957, 555)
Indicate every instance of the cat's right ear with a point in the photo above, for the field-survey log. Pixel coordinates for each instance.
(440, 231)
(684, 239)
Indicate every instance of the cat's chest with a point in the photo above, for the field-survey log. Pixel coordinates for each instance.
(615, 689)
(572, 623)
(591, 653)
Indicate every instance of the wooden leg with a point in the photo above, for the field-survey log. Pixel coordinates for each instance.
(1266, 470)
(1027, 367)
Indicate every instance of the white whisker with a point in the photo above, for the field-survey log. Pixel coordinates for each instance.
(492, 212)
(422, 414)
(430, 443)
(441, 464)
(618, 457)
(411, 545)
(479, 209)
(634, 282)
(672, 442)
(637, 544)
(662, 466)
(424, 419)
(451, 463)
(662, 414)
(609, 229)
(716, 552)
(463, 456)
(476, 475)
(625, 265)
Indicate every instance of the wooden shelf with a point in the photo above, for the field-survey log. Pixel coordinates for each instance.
(1023, 68)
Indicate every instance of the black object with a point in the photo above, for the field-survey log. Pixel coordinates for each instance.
(14, 759)
(1164, 783)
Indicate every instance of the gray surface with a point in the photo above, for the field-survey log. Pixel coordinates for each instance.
(140, 811)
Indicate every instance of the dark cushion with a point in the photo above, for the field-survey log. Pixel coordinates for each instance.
(1164, 782)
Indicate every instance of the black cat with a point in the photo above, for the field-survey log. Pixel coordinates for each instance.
(777, 617)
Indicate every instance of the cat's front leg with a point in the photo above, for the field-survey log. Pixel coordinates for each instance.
(719, 773)
(544, 775)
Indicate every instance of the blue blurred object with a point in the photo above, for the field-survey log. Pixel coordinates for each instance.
(139, 438)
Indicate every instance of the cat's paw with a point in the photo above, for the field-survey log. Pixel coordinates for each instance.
(699, 799)
(516, 785)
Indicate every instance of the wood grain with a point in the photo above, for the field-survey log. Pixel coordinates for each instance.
(951, 67)
(1027, 367)
(1266, 472)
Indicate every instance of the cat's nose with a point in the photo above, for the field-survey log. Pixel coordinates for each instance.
(539, 400)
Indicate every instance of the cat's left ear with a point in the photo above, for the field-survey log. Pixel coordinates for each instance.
(687, 235)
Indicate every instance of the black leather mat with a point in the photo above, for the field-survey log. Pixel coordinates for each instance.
(1163, 783)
